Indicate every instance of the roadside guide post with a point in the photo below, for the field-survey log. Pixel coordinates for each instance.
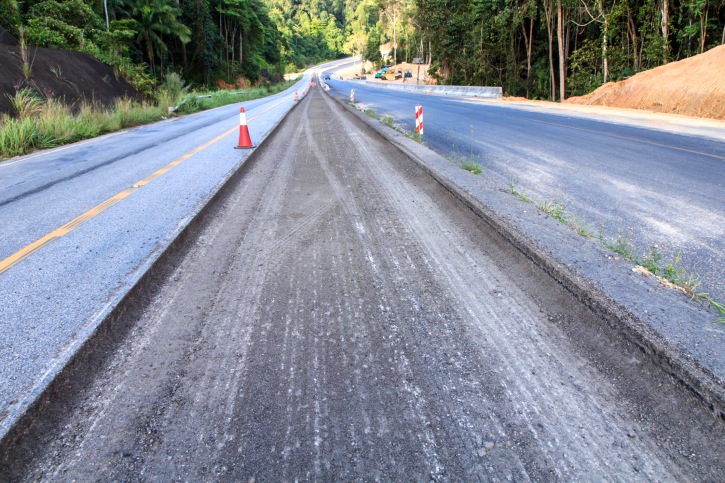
(419, 119)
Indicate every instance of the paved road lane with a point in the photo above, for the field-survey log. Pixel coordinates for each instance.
(341, 317)
(644, 182)
(55, 298)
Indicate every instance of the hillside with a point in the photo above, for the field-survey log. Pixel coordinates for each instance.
(694, 87)
(62, 74)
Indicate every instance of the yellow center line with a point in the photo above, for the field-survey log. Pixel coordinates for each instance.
(24, 253)
(627, 138)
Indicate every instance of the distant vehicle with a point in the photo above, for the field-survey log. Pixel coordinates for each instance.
(408, 74)
(378, 75)
(327, 77)
(384, 71)
(417, 60)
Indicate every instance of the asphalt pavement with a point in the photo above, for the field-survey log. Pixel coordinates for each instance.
(341, 315)
(647, 181)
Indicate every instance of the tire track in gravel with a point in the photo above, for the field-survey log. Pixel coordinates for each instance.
(517, 352)
(345, 318)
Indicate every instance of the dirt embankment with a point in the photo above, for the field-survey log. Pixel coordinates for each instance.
(60, 74)
(693, 87)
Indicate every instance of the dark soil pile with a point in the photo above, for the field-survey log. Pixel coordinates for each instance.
(71, 76)
(694, 86)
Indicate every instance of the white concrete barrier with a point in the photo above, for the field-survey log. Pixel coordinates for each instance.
(457, 91)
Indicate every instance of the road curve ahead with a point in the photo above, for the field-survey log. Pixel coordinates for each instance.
(343, 317)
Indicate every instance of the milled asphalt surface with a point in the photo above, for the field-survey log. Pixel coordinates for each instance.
(341, 315)
(654, 180)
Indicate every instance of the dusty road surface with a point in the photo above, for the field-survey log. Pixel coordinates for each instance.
(343, 317)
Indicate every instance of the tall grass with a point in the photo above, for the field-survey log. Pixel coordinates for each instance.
(47, 123)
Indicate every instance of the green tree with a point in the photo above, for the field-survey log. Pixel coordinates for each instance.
(155, 19)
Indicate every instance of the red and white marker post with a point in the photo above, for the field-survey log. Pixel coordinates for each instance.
(419, 119)
(245, 142)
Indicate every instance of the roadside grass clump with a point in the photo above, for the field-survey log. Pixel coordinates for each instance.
(512, 189)
(388, 121)
(48, 123)
(579, 224)
(469, 163)
(553, 209)
(671, 272)
(415, 136)
(18, 136)
(26, 103)
(372, 114)
(472, 165)
(26, 63)
(622, 245)
(651, 260)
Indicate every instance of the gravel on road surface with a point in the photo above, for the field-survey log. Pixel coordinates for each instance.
(343, 316)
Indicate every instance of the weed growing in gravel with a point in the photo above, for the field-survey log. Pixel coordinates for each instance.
(469, 163)
(651, 261)
(415, 136)
(620, 245)
(472, 165)
(553, 209)
(371, 113)
(671, 273)
(519, 194)
(579, 225)
(388, 121)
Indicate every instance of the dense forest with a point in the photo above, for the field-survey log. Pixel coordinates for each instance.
(535, 48)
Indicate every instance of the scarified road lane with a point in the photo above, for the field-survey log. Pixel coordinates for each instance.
(344, 317)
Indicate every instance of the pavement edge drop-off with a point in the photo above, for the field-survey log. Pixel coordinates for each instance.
(114, 324)
(673, 359)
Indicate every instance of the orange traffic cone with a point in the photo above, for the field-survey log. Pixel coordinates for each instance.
(297, 98)
(245, 141)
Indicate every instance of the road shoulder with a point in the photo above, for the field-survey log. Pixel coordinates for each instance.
(679, 335)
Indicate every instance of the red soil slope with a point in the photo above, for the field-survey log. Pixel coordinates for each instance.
(693, 87)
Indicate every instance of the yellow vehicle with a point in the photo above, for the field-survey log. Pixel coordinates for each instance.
(389, 76)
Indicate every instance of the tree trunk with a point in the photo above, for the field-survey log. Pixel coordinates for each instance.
(666, 30)
(703, 30)
(633, 34)
(529, 40)
(549, 11)
(562, 56)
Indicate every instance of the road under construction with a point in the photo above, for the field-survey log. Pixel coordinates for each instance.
(337, 314)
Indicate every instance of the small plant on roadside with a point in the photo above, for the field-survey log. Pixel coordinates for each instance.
(388, 121)
(472, 165)
(56, 71)
(620, 245)
(26, 62)
(47, 123)
(553, 209)
(27, 103)
(651, 261)
(415, 136)
(579, 225)
(519, 194)
(370, 113)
